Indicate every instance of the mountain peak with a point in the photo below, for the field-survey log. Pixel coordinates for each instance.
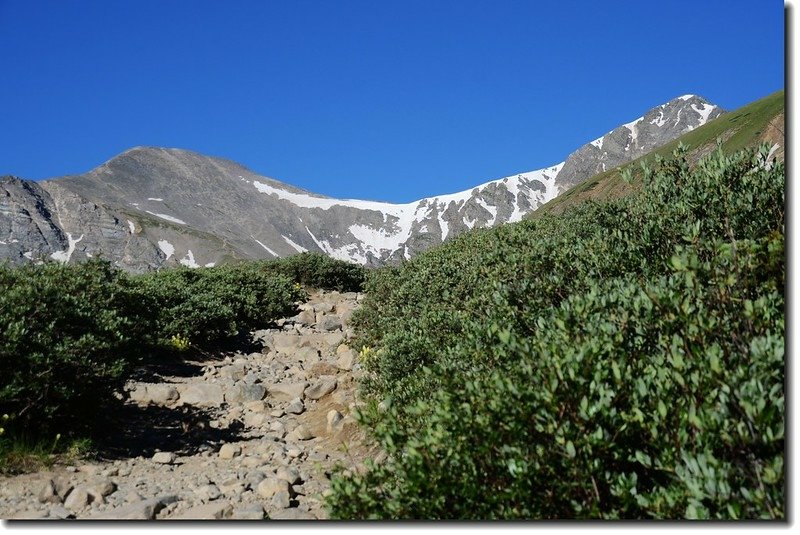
(152, 206)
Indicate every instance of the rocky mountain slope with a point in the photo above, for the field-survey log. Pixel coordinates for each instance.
(154, 207)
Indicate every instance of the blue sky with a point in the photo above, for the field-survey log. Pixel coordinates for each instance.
(386, 100)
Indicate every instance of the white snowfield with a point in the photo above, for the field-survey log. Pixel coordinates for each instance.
(529, 191)
(401, 219)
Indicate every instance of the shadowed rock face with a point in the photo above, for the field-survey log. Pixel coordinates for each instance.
(154, 207)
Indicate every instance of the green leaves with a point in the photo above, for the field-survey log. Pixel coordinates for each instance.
(70, 334)
(208, 305)
(582, 369)
(67, 336)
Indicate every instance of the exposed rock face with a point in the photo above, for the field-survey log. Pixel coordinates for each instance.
(657, 127)
(154, 207)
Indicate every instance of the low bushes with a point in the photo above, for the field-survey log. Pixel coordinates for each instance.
(210, 305)
(317, 270)
(624, 360)
(69, 333)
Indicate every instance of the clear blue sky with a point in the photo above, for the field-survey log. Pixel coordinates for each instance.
(389, 100)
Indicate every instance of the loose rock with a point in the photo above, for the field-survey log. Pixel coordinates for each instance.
(329, 323)
(301, 432)
(321, 388)
(271, 486)
(207, 493)
(296, 406)
(203, 395)
(141, 510)
(253, 511)
(229, 451)
(242, 393)
(281, 500)
(289, 474)
(164, 457)
(209, 511)
(287, 391)
(333, 418)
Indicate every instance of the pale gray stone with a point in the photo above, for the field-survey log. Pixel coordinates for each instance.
(155, 394)
(203, 395)
(333, 419)
(324, 386)
(287, 390)
(103, 487)
(346, 360)
(324, 307)
(207, 493)
(241, 393)
(293, 513)
(78, 499)
(164, 457)
(289, 474)
(48, 493)
(281, 500)
(60, 512)
(140, 510)
(301, 432)
(255, 419)
(208, 511)
(253, 511)
(330, 323)
(270, 486)
(296, 406)
(229, 451)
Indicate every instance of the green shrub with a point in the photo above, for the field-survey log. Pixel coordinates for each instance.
(67, 336)
(623, 360)
(70, 334)
(208, 305)
(317, 270)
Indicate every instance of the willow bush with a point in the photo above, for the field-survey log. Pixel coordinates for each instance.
(623, 360)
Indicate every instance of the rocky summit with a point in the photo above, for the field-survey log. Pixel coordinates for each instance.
(246, 435)
(153, 207)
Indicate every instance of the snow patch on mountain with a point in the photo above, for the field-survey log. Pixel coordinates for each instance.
(298, 248)
(167, 248)
(189, 261)
(704, 110)
(64, 256)
(270, 251)
(167, 217)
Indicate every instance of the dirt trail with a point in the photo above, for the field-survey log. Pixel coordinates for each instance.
(246, 435)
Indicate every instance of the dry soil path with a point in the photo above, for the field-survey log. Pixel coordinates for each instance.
(247, 435)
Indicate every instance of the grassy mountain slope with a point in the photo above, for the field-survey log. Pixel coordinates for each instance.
(760, 121)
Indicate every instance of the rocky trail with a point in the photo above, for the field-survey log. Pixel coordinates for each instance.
(246, 435)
